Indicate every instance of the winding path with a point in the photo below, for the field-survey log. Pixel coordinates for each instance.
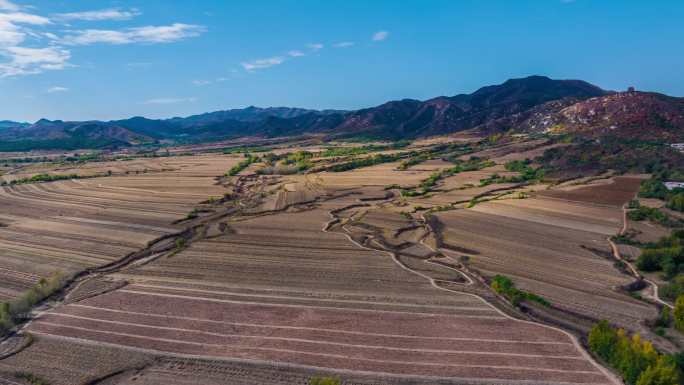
(608, 374)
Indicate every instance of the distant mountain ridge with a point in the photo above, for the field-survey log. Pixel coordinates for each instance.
(531, 104)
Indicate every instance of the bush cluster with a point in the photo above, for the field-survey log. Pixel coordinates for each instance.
(14, 311)
(40, 178)
(642, 213)
(636, 360)
(249, 159)
(666, 255)
(324, 381)
(527, 173)
(365, 162)
(504, 286)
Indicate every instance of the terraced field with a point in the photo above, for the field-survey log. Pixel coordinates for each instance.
(74, 224)
(279, 288)
(318, 273)
(551, 247)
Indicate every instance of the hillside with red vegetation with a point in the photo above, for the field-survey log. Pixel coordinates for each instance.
(634, 115)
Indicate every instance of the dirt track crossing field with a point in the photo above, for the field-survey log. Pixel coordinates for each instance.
(305, 297)
(75, 224)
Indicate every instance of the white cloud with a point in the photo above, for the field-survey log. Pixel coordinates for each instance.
(54, 89)
(380, 35)
(201, 82)
(11, 31)
(148, 34)
(315, 46)
(343, 44)
(47, 51)
(296, 53)
(6, 5)
(24, 60)
(262, 63)
(102, 14)
(170, 100)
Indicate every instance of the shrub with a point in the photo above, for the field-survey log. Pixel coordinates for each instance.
(504, 286)
(12, 312)
(31, 378)
(636, 360)
(676, 202)
(678, 316)
(324, 381)
(249, 159)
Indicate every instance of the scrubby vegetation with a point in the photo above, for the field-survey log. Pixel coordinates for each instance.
(286, 164)
(41, 178)
(527, 173)
(678, 316)
(349, 151)
(473, 164)
(324, 381)
(666, 255)
(642, 213)
(366, 162)
(598, 155)
(504, 286)
(31, 378)
(637, 361)
(15, 311)
(249, 159)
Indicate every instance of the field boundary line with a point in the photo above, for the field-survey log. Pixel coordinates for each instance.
(337, 356)
(133, 286)
(317, 342)
(473, 380)
(318, 329)
(609, 375)
(267, 304)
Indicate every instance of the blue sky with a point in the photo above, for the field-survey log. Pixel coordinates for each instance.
(89, 59)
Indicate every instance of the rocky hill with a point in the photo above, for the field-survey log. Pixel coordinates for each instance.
(527, 105)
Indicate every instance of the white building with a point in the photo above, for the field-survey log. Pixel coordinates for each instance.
(678, 146)
(673, 185)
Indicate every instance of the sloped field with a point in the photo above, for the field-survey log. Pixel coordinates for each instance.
(279, 289)
(553, 248)
(74, 224)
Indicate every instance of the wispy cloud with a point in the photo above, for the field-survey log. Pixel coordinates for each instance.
(344, 44)
(201, 82)
(296, 53)
(170, 100)
(98, 15)
(380, 36)
(48, 49)
(54, 89)
(262, 63)
(315, 46)
(6, 5)
(12, 31)
(148, 34)
(25, 61)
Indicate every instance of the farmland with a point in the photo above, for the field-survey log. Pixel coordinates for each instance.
(203, 274)
(75, 224)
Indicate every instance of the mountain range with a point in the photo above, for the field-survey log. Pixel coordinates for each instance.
(531, 104)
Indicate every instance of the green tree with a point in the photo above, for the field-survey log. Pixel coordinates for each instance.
(678, 315)
(664, 372)
(602, 340)
(676, 202)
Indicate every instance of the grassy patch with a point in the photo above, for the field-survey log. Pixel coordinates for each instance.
(504, 286)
